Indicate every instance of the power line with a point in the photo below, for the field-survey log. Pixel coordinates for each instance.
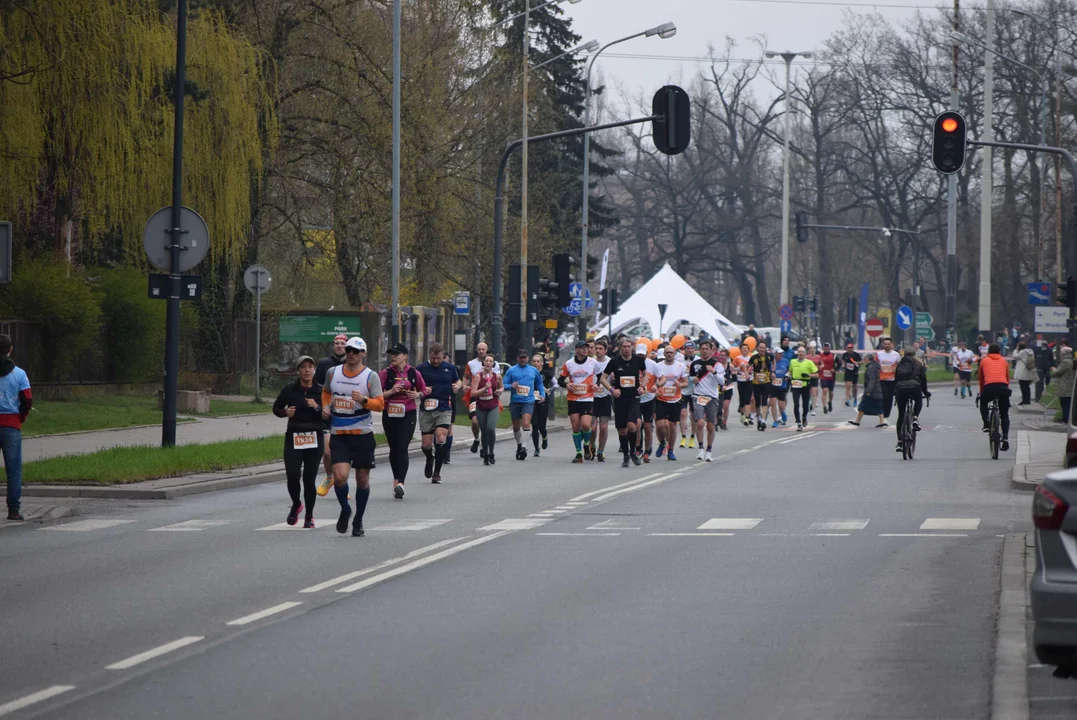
(704, 59)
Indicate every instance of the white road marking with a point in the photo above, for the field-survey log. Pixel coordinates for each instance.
(189, 526)
(33, 698)
(407, 525)
(804, 534)
(612, 487)
(730, 524)
(514, 524)
(927, 534)
(631, 488)
(319, 524)
(553, 512)
(612, 524)
(799, 437)
(154, 653)
(839, 525)
(87, 525)
(422, 562)
(255, 617)
(951, 524)
(546, 515)
(581, 534)
(691, 534)
(566, 507)
(576, 503)
(380, 566)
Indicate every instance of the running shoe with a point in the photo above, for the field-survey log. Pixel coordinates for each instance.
(661, 449)
(521, 454)
(544, 442)
(825, 410)
(723, 426)
(1005, 445)
(398, 491)
(587, 452)
(293, 514)
(916, 425)
(578, 459)
(830, 405)
(955, 392)
(800, 428)
(847, 402)
(709, 457)
(775, 424)
(692, 441)
(785, 418)
(635, 459)
(898, 448)
(482, 452)
(357, 529)
(323, 488)
(428, 471)
(485, 460)
(854, 422)
(882, 425)
(491, 457)
(475, 447)
(684, 442)
(670, 456)
(647, 457)
(761, 426)
(624, 463)
(436, 480)
(308, 524)
(601, 457)
(702, 454)
(342, 521)
(813, 410)
(535, 454)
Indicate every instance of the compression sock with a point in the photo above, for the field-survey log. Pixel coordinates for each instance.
(586, 438)
(631, 441)
(361, 497)
(342, 495)
(439, 457)
(577, 440)
(624, 445)
(518, 434)
(448, 447)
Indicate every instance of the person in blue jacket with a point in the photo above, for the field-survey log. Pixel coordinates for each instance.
(779, 390)
(525, 384)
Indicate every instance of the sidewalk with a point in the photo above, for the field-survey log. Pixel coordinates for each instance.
(1037, 454)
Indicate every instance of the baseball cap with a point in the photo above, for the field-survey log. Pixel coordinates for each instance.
(356, 343)
(826, 344)
(398, 349)
(302, 359)
(523, 353)
(341, 336)
(690, 345)
(642, 349)
(581, 344)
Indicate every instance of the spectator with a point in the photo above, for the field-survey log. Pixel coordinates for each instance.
(1024, 369)
(1044, 362)
(750, 332)
(768, 341)
(1064, 387)
(871, 402)
(15, 402)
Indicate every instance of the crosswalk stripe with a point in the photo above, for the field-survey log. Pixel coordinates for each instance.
(839, 525)
(406, 525)
(87, 525)
(189, 526)
(730, 524)
(951, 524)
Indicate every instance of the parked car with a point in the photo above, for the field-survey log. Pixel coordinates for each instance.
(1053, 589)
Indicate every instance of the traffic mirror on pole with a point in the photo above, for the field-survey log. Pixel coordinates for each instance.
(672, 125)
(948, 143)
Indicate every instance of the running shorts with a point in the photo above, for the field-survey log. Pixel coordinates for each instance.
(670, 411)
(646, 409)
(779, 393)
(965, 375)
(708, 412)
(827, 384)
(853, 377)
(761, 394)
(452, 410)
(430, 419)
(744, 393)
(814, 382)
(727, 395)
(575, 407)
(354, 450)
(602, 407)
(625, 411)
(518, 410)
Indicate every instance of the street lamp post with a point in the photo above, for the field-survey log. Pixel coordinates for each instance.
(394, 331)
(788, 57)
(664, 31)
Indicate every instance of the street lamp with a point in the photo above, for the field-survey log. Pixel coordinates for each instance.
(586, 47)
(788, 57)
(664, 31)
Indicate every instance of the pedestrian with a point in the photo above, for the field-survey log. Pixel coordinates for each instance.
(1064, 387)
(15, 402)
(1024, 369)
(320, 371)
(871, 401)
(402, 386)
(750, 333)
(304, 439)
(486, 390)
(1044, 362)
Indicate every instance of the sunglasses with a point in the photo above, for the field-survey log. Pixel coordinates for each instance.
(351, 350)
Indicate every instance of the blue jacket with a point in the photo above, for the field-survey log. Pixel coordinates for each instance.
(440, 380)
(525, 377)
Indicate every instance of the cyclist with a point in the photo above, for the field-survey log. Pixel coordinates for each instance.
(995, 385)
(910, 384)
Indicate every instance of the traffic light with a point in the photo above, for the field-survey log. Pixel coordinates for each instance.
(798, 304)
(562, 277)
(948, 143)
(850, 310)
(534, 284)
(671, 127)
(615, 301)
(604, 301)
(800, 219)
(1067, 294)
(813, 304)
(547, 293)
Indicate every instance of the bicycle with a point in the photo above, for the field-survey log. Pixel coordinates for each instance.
(908, 429)
(994, 426)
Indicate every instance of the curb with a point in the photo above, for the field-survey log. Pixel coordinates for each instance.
(1009, 686)
(40, 515)
(230, 482)
(1022, 458)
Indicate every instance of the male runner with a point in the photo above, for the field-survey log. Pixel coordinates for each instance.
(710, 378)
(727, 387)
(826, 378)
(744, 386)
(603, 404)
(578, 376)
(888, 360)
(850, 361)
(435, 412)
(671, 378)
(320, 370)
(646, 404)
(525, 384)
(624, 379)
(815, 357)
(762, 366)
(779, 389)
(963, 360)
(688, 429)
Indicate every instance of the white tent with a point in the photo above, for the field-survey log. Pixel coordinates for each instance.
(685, 305)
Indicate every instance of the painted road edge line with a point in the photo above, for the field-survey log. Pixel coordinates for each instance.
(262, 614)
(154, 653)
(579, 534)
(637, 486)
(580, 498)
(923, 534)
(423, 562)
(34, 698)
(380, 566)
(691, 534)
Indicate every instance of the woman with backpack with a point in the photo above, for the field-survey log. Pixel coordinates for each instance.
(1024, 369)
(401, 385)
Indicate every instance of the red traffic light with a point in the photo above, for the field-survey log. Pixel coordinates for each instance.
(949, 125)
(948, 142)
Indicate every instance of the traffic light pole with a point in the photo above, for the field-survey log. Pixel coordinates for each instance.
(499, 204)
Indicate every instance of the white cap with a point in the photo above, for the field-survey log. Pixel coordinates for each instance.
(642, 349)
(356, 343)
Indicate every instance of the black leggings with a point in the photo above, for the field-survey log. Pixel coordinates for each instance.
(889, 387)
(305, 464)
(398, 435)
(538, 421)
(901, 397)
(801, 399)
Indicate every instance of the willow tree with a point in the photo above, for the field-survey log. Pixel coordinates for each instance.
(86, 121)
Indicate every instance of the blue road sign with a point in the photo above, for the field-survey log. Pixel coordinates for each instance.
(904, 317)
(785, 312)
(461, 303)
(581, 300)
(785, 325)
(588, 301)
(1039, 293)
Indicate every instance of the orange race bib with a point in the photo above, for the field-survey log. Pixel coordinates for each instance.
(304, 440)
(761, 377)
(343, 404)
(395, 410)
(430, 404)
(668, 392)
(579, 389)
(796, 383)
(628, 381)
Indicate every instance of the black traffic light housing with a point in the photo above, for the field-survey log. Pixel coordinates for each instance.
(604, 301)
(672, 124)
(800, 220)
(799, 304)
(615, 301)
(948, 143)
(813, 304)
(1067, 294)
(562, 277)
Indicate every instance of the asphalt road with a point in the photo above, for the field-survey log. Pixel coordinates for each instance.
(812, 575)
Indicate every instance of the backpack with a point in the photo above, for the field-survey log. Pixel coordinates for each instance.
(907, 369)
(1030, 361)
(390, 376)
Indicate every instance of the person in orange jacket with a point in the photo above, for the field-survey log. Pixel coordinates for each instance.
(995, 385)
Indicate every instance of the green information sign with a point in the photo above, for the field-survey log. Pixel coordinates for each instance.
(316, 328)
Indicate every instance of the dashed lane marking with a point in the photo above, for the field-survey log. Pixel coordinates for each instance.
(33, 698)
(730, 524)
(422, 562)
(154, 653)
(87, 525)
(513, 524)
(262, 614)
(189, 526)
(951, 524)
(839, 525)
(380, 566)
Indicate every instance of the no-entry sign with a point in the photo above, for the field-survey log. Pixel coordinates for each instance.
(874, 327)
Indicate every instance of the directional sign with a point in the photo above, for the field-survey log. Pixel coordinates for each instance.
(904, 317)
(923, 320)
(874, 327)
(461, 303)
(1039, 293)
(1052, 319)
(785, 312)
(785, 325)
(581, 300)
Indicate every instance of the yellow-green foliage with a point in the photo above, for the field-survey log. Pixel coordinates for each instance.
(92, 116)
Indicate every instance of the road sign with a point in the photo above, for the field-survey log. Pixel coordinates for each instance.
(886, 317)
(1052, 319)
(157, 238)
(317, 328)
(904, 317)
(874, 327)
(785, 312)
(257, 279)
(785, 325)
(160, 286)
(923, 320)
(551, 323)
(1039, 293)
(461, 302)
(581, 300)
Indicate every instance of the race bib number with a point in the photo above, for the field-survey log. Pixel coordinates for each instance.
(850, 366)
(777, 382)
(523, 390)
(702, 400)
(966, 366)
(827, 374)
(797, 383)
(628, 381)
(396, 410)
(667, 392)
(304, 440)
(761, 377)
(430, 404)
(473, 407)
(743, 377)
(888, 368)
(343, 405)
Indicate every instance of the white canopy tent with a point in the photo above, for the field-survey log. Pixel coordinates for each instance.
(685, 305)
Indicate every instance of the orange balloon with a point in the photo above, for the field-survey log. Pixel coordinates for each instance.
(734, 352)
(655, 343)
(677, 341)
(750, 342)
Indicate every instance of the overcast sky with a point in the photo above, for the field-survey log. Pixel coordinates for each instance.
(786, 26)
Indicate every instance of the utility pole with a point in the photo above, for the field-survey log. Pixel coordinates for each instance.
(525, 324)
(951, 211)
(987, 183)
(394, 336)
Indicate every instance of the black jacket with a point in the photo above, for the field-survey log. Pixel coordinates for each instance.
(323, 367)
(305, 418)
(910, 374)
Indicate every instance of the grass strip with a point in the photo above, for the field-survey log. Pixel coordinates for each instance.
(50, 417)
(123, 465)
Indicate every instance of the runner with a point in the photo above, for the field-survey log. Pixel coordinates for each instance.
(671, 378)
(402, 387)
(826, 378)
(727, 388)
(603, 403)
(486, 389)
(688, 429)
(646, 404)
(350, 396)
(851, 360)
(337, 358)
(888, 360)
(624, 379)
(300, 402)
(955, 366)
(525, 382)
(744, 386)
(435, 413)
(801, 370)
(710, 377)
(578, 376)
(762, 366)
(813, 355)
(964, 358)
(473, 367)
(779, 388)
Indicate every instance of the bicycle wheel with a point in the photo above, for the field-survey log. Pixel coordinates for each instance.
(912, 437)
(995, 434)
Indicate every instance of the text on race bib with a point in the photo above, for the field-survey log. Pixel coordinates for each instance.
(850, 366)
(761, 377)
(828, 374)
(304, 440)
(473, 407)
(702, 400)
(395, 410)
(628, 381)
(343, 404)
(797, 383)
(777, 382)
(668, 391)
(430, 404)
(578, 389)
(523, 390)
